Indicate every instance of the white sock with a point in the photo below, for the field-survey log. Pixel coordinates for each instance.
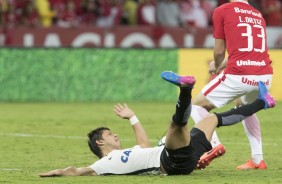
(197, 114)
(252, 129)
(214, 141)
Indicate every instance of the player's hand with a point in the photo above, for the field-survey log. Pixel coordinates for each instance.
(215, 71)
(123, 111)
(212, 69)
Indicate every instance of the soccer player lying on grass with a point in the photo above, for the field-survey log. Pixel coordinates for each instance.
(182, 148)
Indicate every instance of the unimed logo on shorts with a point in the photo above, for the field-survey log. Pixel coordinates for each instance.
(252, 82)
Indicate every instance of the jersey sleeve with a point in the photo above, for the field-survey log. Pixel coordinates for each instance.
(218, 28)
(97, 167)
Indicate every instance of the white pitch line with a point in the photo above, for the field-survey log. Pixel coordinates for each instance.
(9, 169)
(125, 140)
(51, 136)
(41, 136)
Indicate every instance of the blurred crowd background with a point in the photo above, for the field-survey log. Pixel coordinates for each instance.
(110, 13)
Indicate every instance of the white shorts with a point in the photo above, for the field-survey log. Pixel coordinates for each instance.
(226, 88)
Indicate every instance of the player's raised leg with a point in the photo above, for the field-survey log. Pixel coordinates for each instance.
(178, 156)
(178, 135)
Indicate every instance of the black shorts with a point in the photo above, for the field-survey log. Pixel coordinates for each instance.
(184, 160)
(199, 142)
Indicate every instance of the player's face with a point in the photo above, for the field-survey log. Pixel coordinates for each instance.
(111, 139)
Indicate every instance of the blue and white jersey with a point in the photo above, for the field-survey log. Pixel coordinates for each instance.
(135, 160)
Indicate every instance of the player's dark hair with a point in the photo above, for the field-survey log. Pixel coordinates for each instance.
(93, 136)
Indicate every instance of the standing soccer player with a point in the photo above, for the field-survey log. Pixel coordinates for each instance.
(241, 30)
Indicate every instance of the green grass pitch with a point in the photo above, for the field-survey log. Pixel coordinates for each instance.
(38, 137)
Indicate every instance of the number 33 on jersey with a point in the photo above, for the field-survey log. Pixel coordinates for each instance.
(244, 31)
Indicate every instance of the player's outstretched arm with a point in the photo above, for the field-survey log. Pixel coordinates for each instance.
(125, 112)
(70, 171)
